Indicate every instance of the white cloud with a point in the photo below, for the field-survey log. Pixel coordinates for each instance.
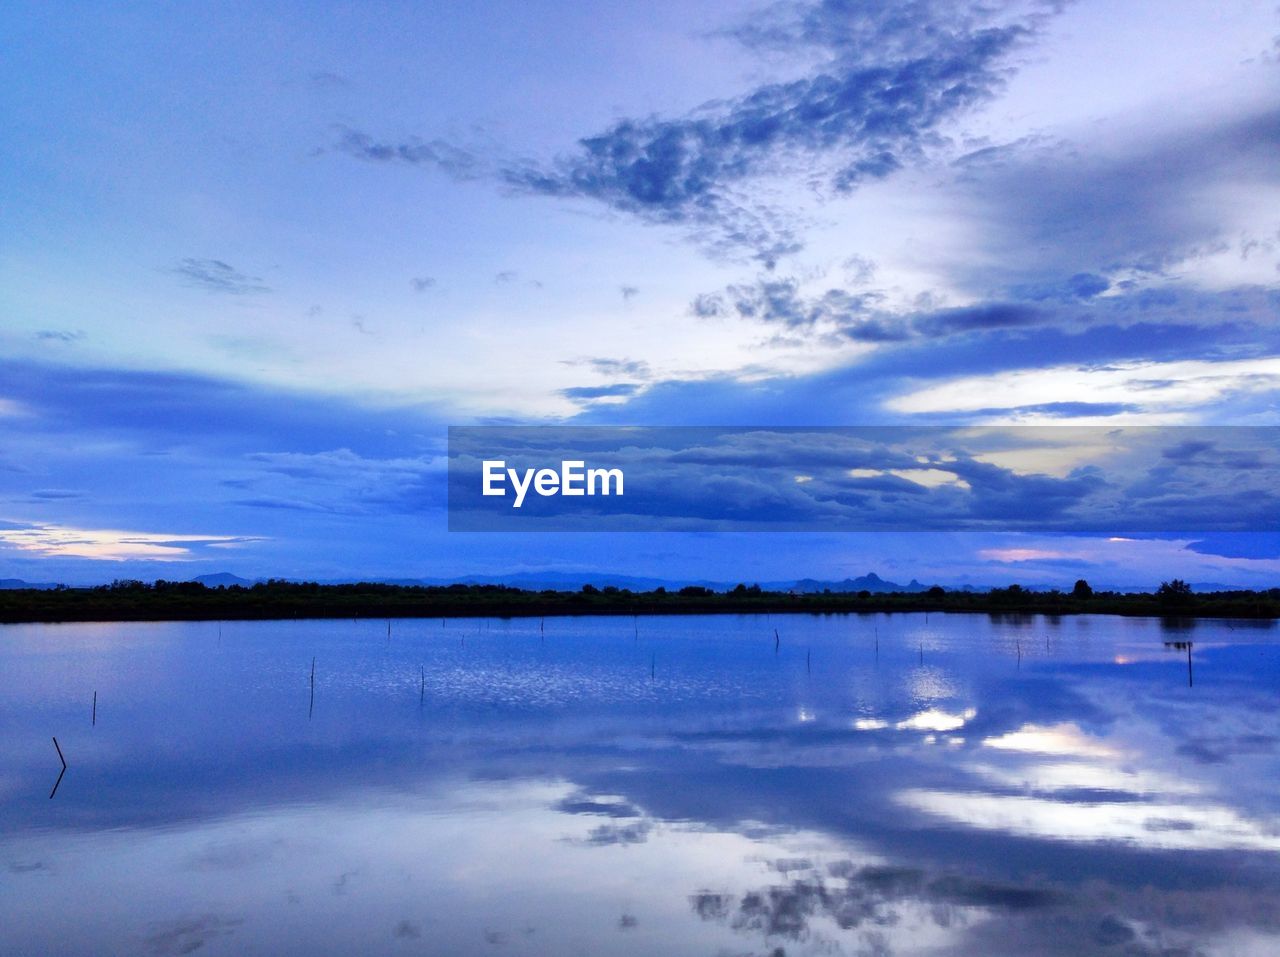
(63, 541)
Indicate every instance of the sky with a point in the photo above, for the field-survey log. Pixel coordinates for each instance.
(258, 257)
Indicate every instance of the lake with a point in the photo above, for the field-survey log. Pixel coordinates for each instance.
(722, 785)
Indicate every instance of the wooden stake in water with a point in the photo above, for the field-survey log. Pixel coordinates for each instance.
(808, 659)
(312, 706)
(422, 688)
(94, 722)
(60, 773)
(653, 665)
(776, 641)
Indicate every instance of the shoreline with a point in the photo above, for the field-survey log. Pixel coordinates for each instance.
(281, 601)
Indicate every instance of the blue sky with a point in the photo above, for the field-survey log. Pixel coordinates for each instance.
(257, 257)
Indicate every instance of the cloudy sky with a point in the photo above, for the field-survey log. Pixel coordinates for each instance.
(256, 258)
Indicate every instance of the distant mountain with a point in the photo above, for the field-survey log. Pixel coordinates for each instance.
(559, 581)
(222, 579)
(573, 581)
(19, 583)
(869, 582)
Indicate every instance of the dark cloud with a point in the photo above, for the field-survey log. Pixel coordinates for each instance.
(221, 458)
(1074, 303)
(59, 335)
(608, 834)
(995, 315)
(874, 479)
(582, 803)
(590, 392)
(217, 276)
(1261, 544)
(861, 32)
(1081, 286)
(858, 270)
(54, 494)
(153, 410)
(708, 306)
(184, 935)
(884, 84)
(408, 930)
(1055, 209)
(860, 390)
(878, 114)
(631, 368)
(508, 277)
(850, 897)
(779, 300)
(450, 159)
(870, 119)
(855, 315)
(329, 80)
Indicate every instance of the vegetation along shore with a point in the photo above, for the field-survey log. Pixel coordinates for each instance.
(277, 599)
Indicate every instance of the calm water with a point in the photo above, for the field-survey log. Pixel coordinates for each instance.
(869, 784)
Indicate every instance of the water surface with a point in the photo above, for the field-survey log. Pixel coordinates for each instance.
(875, 784)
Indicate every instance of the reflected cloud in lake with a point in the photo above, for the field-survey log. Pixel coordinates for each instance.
(872, 784)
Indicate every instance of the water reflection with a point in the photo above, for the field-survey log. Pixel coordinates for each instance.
(871, 785)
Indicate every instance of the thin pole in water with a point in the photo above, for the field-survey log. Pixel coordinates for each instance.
(808, 660)
(776, 641)
(1018, 645)
(422, 688)
(1190, 683)
(653, 665)
(60, 773)
(312, 706)
(95, 710)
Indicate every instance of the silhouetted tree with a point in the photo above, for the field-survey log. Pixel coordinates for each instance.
(1082, 589)
(1176, 592)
